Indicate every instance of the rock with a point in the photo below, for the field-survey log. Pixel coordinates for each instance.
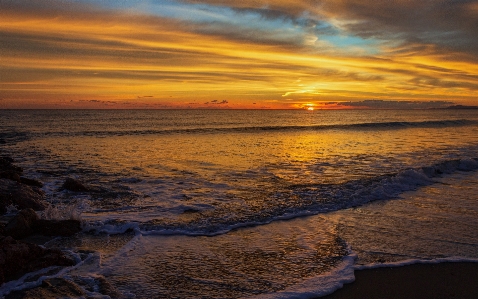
(73, 185)
(10, 175)
(31, 182)
(6, 164)
(62, 228)
(20, 195)
(50, 288)
(65, 288)
(22, 224)
(6, 160)
(18, 258)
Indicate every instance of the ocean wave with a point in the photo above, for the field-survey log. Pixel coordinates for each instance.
(396, 125)
(294, 201)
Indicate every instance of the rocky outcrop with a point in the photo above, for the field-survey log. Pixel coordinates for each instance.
(74, 185)
(62, 228)
(18, 258)
(10, 175)
(50, 288)
(65, 288)
(31, 182)
(6, 165)
(27, 222)
(20, 195)
(22, 224)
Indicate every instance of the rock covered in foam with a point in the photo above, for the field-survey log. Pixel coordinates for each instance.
(50, 288)
(18, 258)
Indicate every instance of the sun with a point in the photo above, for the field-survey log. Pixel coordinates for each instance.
(310, 108)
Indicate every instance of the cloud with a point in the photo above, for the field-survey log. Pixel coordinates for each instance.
(246, 51)
(382, 104)
(216, 102)
(451, 24)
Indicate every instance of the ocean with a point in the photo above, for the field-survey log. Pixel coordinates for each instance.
(253, 203)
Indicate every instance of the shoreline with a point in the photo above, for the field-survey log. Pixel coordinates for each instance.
(441, 280)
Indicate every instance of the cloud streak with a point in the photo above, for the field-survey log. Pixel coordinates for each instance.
(253, 53)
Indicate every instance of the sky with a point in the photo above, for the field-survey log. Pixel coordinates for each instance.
(248, 54)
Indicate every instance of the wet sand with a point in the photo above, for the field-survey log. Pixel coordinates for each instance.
(444, 280)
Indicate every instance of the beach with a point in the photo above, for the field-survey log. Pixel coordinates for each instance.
(437, 281)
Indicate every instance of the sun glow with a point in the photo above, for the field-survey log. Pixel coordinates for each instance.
(310, 108)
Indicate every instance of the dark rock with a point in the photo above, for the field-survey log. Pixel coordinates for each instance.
(10, 175)
(6, 164)
(18, 258)
(31, 182)
(22, 224)
(6, 159)
(62, 228)
(20, 195)
(50, 288)
(73, 185)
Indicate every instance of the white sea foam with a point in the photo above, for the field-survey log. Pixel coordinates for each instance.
(320, 285)
(34, 279)
(110, 228)
(407, 262)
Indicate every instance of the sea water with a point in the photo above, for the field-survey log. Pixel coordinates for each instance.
(254, 203)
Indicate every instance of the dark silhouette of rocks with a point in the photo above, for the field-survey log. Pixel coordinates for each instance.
(18, 258)
(27, 223)
(31, 182)
(20, 195)
(62, 228)
(50, 288)
(64, 288)
(10, 175)
(6, 164)
(22, 224)
(74, 185)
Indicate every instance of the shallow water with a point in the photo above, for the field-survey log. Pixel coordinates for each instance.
(229, 204)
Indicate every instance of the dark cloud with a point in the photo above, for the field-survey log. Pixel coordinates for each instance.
(382, 104)
(216, 102)
(450, 24)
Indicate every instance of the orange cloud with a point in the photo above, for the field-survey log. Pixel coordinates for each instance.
(68, 56)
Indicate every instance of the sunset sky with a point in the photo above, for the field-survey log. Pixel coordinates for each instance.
(238, 54)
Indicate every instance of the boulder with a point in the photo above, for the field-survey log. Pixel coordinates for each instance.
(73, 185)
(6, 164)
(50, 288)
(31, 182)
(18, 258)
(10, 175)
(22, 224)
(62, 228)
(21, 196)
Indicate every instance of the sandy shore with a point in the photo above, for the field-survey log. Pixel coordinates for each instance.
(444, 280)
